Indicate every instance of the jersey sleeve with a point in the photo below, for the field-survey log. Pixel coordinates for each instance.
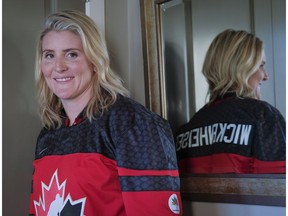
(270, 143)
(147, 167)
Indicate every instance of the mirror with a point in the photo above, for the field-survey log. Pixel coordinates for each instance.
(176, 35)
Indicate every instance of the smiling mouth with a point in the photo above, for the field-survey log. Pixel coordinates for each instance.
(63, 79)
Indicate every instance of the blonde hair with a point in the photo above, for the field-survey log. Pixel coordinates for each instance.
(232, 58)
(106, 84)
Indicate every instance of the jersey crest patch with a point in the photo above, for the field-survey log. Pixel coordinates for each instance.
(174, 204)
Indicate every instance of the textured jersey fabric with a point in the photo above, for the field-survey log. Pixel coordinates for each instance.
(233, 135)
(122, 163)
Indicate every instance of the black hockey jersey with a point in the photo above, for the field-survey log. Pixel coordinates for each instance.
(233, 135)
(122, 163)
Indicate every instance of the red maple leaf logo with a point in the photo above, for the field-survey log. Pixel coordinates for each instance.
(54, 191)
(52, 201)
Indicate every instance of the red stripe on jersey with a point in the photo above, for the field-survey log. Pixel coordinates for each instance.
(269, 166)
(132, 172)
(159, 203)
(229, 163)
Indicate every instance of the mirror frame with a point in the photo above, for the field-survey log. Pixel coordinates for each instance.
(254, 189)
(152, 56)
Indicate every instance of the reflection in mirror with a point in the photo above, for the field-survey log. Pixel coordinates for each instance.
(176, 36)
(207, 19)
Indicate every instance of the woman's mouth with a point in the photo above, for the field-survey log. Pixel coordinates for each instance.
(63, 79)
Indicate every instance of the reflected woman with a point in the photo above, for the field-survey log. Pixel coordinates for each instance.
(235, 132)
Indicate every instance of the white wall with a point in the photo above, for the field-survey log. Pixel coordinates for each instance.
(123, 35)
(22, 21)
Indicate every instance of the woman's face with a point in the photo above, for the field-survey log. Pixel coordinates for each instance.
(67, 71)
(255, 81)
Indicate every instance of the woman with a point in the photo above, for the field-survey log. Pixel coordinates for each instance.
(235, 132)
(100, 152)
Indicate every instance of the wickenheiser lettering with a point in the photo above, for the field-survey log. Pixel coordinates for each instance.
(217, 133)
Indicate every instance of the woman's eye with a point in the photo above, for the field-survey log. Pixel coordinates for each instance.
(262, 65)
(72, 55)
(48, 56)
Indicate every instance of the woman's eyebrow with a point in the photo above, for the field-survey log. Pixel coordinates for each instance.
(65, 50)
(47, 50)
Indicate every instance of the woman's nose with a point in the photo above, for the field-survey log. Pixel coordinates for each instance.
(266, 77)
(60, 65)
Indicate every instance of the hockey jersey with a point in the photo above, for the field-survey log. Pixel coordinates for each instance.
(122, 163)
(233, 135)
